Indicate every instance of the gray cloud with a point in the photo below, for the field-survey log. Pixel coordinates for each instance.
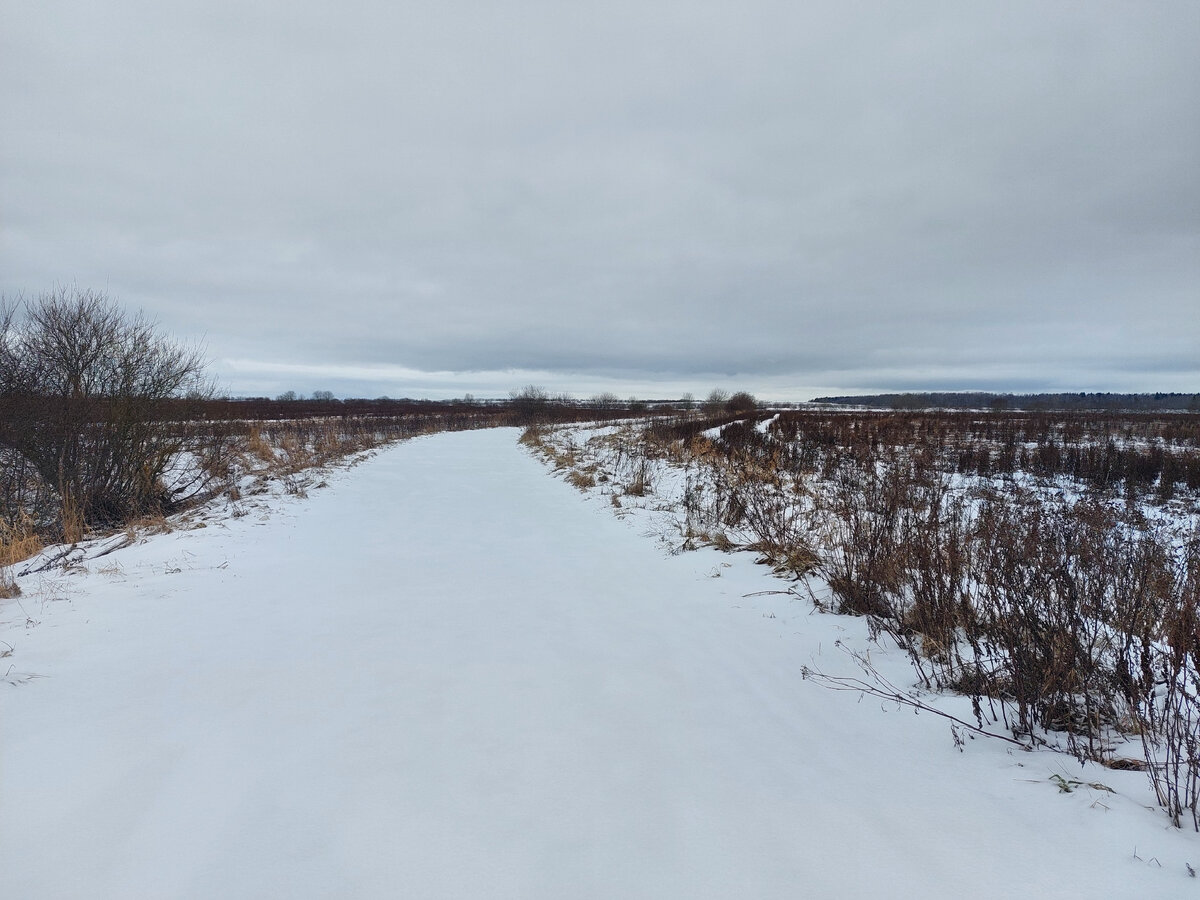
(819, 196)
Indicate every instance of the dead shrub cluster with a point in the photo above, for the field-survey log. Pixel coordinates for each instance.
(86, 395)
(1044, 586)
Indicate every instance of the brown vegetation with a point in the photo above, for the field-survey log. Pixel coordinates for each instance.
(1017, 558)
(82, 394)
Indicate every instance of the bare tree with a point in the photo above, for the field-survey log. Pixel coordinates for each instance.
(716, 401)
(93, 399)
(529, 404)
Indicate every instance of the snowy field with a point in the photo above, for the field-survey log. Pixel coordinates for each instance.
(448, 674)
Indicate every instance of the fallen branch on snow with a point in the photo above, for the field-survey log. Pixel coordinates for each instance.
(880, 687)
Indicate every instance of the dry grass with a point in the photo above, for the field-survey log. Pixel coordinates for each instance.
(283, 450)
(794, 561)
(73, 526)
(564, 455)
(582, 480)
(533, 437)
(8, 585)
(259, 447)
(720, 540)
(151, 524)
(18, 541)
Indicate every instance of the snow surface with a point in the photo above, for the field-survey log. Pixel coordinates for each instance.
(450, 675)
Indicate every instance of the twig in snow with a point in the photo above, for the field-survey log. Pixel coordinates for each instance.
(880, 687)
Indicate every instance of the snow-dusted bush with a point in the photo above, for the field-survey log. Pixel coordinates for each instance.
(1018, 559)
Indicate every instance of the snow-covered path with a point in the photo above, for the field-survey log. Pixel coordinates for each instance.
(449, 676)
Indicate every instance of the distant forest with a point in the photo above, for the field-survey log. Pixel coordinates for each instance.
(981, 400)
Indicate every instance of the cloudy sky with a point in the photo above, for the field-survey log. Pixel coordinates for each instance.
(431, 198)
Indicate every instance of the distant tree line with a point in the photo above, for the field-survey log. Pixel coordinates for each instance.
(1062, 401)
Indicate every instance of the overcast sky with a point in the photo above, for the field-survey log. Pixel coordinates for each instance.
(432, 198)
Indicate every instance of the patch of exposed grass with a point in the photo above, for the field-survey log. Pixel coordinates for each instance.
(582, 480)
(19, 540)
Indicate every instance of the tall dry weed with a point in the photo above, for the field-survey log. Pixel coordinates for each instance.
(19, 540)
(258, 446)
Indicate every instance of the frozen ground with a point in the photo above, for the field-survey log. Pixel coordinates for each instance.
(450, 675)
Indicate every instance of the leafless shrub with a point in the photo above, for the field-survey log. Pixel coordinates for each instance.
(768, 504)
(861, 537)
(1164, 677)
(715, 402)
(1008, 553)
(529, 404)
(86, 392)
(939, 624)
(741, 402)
